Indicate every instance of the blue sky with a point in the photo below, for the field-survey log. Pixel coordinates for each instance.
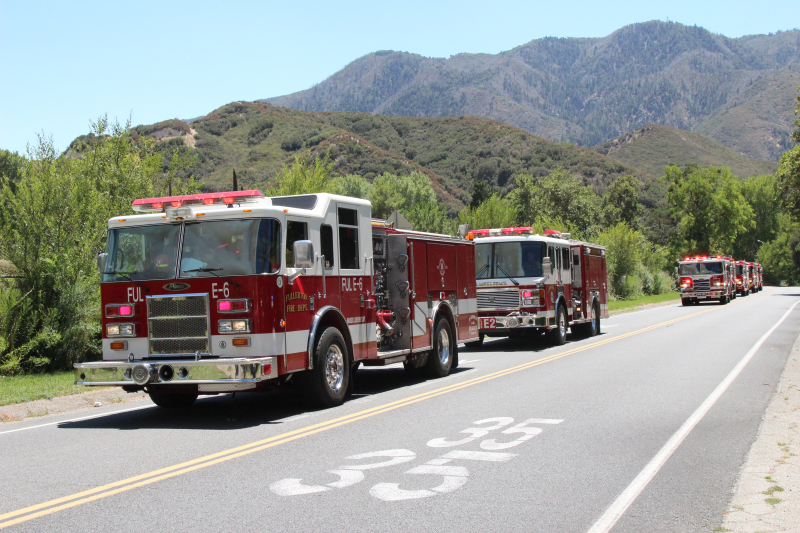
(65, 64)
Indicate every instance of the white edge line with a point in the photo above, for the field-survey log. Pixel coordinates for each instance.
(624, 500)
(77, 419)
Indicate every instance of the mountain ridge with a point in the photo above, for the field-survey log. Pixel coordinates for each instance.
(587, 90)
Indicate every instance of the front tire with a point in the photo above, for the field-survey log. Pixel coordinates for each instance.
(559, 334)
(440, 359)
(723, 300)
(686, 302)
(327, 383)
(172, 400)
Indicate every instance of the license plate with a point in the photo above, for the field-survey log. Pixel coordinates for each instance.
(488, 323)
(701, 294)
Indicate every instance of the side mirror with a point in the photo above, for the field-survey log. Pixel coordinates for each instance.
(547, 267)
(303, 254)
(101, 263)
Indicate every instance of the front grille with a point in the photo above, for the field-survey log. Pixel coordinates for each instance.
(179, 327)
(702, 284)
(163, 306)
(178, 346)
(498, 299)
(178, 324)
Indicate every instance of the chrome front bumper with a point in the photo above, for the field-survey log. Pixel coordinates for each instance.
(230, 371)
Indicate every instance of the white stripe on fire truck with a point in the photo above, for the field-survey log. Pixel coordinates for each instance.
(137, 346)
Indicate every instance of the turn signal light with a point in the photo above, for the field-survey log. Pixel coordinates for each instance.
(115, 310)
(123, 345)
(243, 341)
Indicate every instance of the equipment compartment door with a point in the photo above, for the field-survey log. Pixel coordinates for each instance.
(467, 318)
(420, 329)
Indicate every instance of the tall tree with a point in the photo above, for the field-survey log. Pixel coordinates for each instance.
(621, 202)
(710, 208)
(789, 171)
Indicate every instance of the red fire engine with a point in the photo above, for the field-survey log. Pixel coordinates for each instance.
(742, 278)
(706, 278)
(222, 292)
(530, 282)
(759, 270)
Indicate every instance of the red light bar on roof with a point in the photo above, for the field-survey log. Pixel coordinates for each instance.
(147, 205)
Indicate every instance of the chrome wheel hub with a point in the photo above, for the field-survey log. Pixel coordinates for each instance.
(334, 368)
(562, 324)
(443, 347)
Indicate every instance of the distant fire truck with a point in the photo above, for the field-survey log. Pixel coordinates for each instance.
(707, 278)
(753, 271)
(234, 291)
(535, 283)
(742, 278)
(759, 270)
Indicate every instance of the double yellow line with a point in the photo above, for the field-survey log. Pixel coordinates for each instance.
(104, 491)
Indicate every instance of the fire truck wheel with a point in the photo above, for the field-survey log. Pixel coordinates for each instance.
(593, 326)
(327, 383)
(559, 334)
(723, 300)
(686, 302)
(440, 359)
(171, 400)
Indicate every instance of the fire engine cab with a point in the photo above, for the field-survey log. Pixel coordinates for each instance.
(224, 292)
(706, 278)
(538, 283)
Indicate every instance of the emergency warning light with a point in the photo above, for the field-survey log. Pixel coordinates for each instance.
(150, 205)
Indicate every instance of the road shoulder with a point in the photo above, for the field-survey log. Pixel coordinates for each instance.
(63, 404)
(767, 495)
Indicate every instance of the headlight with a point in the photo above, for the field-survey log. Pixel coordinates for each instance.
(120, 330)
(233, 326)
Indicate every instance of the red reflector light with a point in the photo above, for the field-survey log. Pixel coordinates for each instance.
(224, 306)
(126, 310)
(527, 294)
(267, 369)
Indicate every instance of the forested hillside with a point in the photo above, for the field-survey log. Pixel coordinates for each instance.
(587, 91)
(257, 139)
(654, 146)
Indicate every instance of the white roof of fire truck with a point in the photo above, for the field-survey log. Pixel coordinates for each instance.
(525, 233)
(225, 205)
(701, 258)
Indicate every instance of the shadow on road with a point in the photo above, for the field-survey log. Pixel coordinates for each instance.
(248, 409)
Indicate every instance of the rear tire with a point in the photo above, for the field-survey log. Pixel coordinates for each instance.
(558, 335)
(327, 383)
(440, 359)
(172, 400)
(593, 327)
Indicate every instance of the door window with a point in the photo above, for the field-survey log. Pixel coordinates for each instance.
(326, 238)
(295, 231)
(348, 238)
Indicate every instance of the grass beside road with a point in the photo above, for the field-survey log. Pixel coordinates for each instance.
(628, 305)
(18, 389)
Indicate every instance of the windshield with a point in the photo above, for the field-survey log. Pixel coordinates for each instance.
(739, 270)
(693, 269)
(516, 259)
(230, 248)
(222, 248)
(149, 252)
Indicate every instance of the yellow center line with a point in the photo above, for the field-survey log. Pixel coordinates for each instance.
(141, 480)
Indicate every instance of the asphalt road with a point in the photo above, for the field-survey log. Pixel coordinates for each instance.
(522, 437)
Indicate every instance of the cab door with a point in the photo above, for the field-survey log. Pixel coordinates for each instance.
(355, 282)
